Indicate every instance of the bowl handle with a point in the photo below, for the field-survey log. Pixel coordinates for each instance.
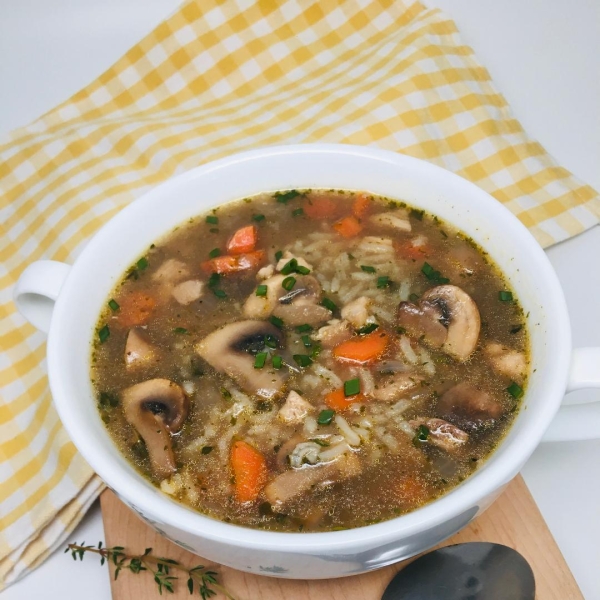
(579, 421)
(37, 289)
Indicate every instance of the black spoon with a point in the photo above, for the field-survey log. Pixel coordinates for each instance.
(471, 571)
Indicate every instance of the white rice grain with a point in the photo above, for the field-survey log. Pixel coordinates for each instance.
(333, 452)
(407, 350)
(325, 374)
(351, 437)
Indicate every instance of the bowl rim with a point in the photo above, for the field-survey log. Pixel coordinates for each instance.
(499, 470)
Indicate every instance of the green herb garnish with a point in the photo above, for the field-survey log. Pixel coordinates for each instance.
(515, 390)
(516, 328)
(104, 334)
(307, 341)
(270, 341)
(289, 267)
(277, 362)
(258, 218)
(302, 360)
(302, 270)
(433, 275)
(413, 297)
(368, 269)
(142, 263)
(505, 296)
(214, 253)
(219, 293)
(383, 282)
(320, 442)
(297, 212)
(180, 330)
(422, 433)
(114, 306)
(213, 280)
(212, 220)
(261, 290)
(417, 214)
(325, 417)
(278, 255)
(352, 387)
(276, 321)
(259, 361)
(288, 283)
(285, 197)
(303, 328)
(329, 304)
(206, 449)
(367, 329)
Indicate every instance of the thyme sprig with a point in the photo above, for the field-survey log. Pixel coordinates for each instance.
(198, 577)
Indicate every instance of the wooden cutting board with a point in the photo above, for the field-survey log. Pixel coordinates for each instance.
(513, 520)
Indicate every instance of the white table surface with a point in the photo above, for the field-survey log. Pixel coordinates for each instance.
(544, 56)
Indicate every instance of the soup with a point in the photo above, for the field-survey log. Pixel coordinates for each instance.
(310, 360)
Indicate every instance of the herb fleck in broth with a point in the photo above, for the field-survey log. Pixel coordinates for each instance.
(310, 360)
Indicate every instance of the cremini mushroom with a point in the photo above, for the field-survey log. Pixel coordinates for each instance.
(468, 408)
(446, 318)
(232, 350)
(157, 408)
(139, 350)
(296, 306)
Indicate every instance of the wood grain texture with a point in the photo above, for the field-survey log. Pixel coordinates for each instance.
(513, 520)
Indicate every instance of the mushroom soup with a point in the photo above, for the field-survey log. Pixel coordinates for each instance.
(310, 361)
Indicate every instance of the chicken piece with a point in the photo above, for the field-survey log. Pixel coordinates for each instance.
(397, 219)
(469, 408)
(290, 484)
(357, 311)
(171, 271)
(265, 272)
(139, 350)
(334, 333)
(395, 386)
(442, 434)
(260, 307)
(294, 409)
(188, 291)
(507, 361)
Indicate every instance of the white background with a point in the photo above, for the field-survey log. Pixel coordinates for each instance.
(544, 55)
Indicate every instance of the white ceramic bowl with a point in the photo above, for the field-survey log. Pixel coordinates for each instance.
(81, 291)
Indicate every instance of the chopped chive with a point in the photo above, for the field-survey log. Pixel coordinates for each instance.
(114, 305)
(368, 269)
(302, 270)
(433, 275)
(276, 321)
(505, 296)
(325, 417)
(142, 263)
(417, 214)
(422, 433)
(278, 255)
(214, 253)
(367, 329)
(515, 390)
(329, 304)
(285, 197)
(260, 360)
(302, 360)
(400, 330)
(427, 269)
(213, 280)
(104, 334)
(297, 212)
(316, 350)
(270, 341)
(277, 362)
(383, 282)
(261, 290)
(303, 328)
(307, 341)
(180, 330)
(258, 218)
(214, 230)
(212, 220)
(225, 393)
(516, 328)
(352, 387)
(206, 449)
(288, 283)
(289, 267)
(219, 293)
(320, 442)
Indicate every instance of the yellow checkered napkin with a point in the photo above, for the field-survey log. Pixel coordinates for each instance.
(215, 78)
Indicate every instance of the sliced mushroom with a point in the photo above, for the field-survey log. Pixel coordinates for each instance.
(232, 349)
(294, 409)
(507, 361)
(188, 291)
(468, 408)
(442, 434)
(139, 350)
(448, 307)
(157, 408)
(357, 311)
(290, 484)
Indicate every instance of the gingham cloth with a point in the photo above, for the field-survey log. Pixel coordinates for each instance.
(216, 78)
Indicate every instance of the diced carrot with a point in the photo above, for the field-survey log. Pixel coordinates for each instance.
(348, 227)
(233, 264)
(243, 240)
(405, 249)
(360, 206)
(135, 308)
(339, 401)
(320, 207)
(363, 349)
(249, 471)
